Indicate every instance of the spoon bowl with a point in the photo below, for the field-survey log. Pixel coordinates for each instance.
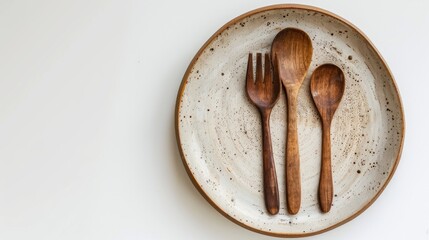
(292, 49)
(327, 88)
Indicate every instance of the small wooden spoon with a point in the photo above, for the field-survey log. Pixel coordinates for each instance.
(327, 88)
(292, 52)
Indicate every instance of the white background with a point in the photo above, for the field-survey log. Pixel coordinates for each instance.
(87, 96)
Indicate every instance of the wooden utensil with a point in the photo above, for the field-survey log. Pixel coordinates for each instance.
(264, 93)
(327, 88)
(292, 52)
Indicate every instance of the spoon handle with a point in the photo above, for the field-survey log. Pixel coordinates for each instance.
(271, 191)
(293, 176)
(326, 188)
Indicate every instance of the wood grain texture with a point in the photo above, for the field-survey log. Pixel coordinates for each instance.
(292, 51)
(264, 93)
(327, 88)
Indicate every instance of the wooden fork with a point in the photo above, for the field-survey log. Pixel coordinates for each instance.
(264, 93)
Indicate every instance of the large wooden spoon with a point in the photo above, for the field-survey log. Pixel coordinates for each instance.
(327, 88)
(292, 52)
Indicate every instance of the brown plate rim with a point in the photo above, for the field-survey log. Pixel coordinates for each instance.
(183, 85)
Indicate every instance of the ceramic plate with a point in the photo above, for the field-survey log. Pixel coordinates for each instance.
(219, 130)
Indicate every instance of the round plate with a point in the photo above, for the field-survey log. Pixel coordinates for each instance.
(219, 130)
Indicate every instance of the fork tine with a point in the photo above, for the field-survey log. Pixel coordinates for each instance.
(249, 74)
(267, 75)
(259, 71)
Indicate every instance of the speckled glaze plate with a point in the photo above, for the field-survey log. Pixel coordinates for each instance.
(219, 130)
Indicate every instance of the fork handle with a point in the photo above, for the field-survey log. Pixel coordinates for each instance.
(293, 176)
(271, 191)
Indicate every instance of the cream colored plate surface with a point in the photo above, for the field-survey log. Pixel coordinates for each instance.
(219, 130)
